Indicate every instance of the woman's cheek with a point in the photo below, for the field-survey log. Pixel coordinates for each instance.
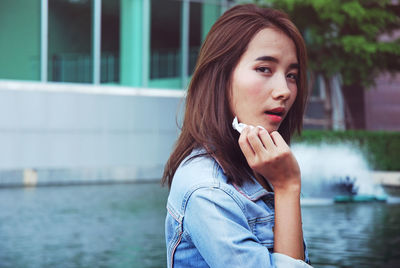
(255, 87)
(293, 96)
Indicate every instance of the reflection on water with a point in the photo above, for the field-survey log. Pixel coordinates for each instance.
(123, 226)
(353, 235)
(85, 226)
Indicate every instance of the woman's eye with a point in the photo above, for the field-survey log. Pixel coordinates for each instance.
(263, 69)
(292, 76)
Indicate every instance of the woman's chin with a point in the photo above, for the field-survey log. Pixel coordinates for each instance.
(271, 127)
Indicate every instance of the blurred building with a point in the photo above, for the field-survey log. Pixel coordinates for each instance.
(382, 104)
(355, 107)
(90, 90)
(143, 43)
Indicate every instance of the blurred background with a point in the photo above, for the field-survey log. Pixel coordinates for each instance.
(91, 96)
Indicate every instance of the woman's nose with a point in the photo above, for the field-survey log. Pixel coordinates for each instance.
(280, 89)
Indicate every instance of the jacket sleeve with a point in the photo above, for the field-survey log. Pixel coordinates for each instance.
(216, 223)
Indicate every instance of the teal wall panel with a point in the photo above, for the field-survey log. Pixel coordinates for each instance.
(20, 39)
(210, 13)
(131, 42)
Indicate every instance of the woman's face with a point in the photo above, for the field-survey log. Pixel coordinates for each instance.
(264, 84)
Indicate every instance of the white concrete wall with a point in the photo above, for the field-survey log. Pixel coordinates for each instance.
(99, 132)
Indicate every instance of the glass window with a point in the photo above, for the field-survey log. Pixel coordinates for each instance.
(165, 58)
(20, 39)
(110, 41)
(70, 41)
(194, 34)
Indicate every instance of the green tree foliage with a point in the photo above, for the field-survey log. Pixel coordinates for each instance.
(355, 38)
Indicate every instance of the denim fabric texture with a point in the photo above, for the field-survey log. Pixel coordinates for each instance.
(212, 223)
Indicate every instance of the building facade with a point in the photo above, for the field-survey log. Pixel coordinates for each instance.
(91, 90)
(141, 43)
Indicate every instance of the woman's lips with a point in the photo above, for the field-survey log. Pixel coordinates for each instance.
(274, 117)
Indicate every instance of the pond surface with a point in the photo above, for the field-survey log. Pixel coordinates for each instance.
(123, 226)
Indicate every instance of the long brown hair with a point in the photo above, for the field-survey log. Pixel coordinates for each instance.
(208, 119)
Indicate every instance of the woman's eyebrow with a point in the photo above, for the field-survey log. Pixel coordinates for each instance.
(267, 58)
(272, 59)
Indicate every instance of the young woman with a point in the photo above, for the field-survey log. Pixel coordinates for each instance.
(235, 197)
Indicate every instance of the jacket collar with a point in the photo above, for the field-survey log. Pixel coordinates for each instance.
(252, 190)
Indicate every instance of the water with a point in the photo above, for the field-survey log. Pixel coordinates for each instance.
(353, 235)
(85, 226)
(123, 226)
(324, 165)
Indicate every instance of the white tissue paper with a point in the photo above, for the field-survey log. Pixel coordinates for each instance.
(240, 126)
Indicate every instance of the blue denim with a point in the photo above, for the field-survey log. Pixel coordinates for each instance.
(212, 223)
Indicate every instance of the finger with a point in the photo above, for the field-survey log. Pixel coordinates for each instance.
(245, 145)
(267, 140)
(278, 140)
(255, 141)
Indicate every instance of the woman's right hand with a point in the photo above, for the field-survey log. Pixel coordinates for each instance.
(270, 156)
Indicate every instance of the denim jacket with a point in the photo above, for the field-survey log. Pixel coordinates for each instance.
(212, 223)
